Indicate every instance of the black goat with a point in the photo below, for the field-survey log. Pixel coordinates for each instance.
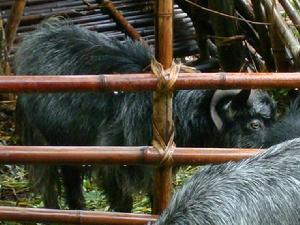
(202, 117)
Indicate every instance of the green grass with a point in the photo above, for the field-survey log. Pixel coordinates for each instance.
(15, 191)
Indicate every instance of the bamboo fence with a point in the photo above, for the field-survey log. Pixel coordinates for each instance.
(162, 108)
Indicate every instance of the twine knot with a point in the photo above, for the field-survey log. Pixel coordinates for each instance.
(166, 81)
(166, 78)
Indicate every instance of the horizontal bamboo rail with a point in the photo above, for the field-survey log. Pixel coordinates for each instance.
(147, 81)
(73, 216)
(118, 155)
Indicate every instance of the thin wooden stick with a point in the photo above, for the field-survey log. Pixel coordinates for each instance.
(285, 33)
(278, 46)
(120, 19)
(13, 22)
(4, 65)
(297, 4)
(4, 61)
(265, 41)
(292, 12)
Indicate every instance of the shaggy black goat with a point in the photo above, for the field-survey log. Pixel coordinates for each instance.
(202, 117)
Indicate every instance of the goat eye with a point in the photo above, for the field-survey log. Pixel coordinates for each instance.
(255, 125)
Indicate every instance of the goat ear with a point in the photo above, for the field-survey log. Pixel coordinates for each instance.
(217, 97)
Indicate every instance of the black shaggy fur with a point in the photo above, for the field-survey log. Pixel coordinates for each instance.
(286, 128)
(94, 118)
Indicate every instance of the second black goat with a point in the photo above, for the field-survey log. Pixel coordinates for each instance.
(286, 128)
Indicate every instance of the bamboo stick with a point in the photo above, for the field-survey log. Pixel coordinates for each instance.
(4, 65)
(108, 155)
(277, 44)
(13, 22)
(144, 82)
(297, 4)
(285, 33)
(245, 8)
(292, 12)
(70, 12)
(265, 41)
(78, 10)
(120, 19)
(73, 216)
(7, 3)
(162, 102)
(4, 60)
(163, 32)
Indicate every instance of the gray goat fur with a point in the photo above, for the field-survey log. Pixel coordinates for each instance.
(263, 190)
(107, 118)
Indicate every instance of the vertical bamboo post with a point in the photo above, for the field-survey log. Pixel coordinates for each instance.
(13, 22)
(162, 102)
(164, 32)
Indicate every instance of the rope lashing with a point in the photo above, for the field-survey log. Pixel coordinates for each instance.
(166, 151)
(166, 78)
(166, 81)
